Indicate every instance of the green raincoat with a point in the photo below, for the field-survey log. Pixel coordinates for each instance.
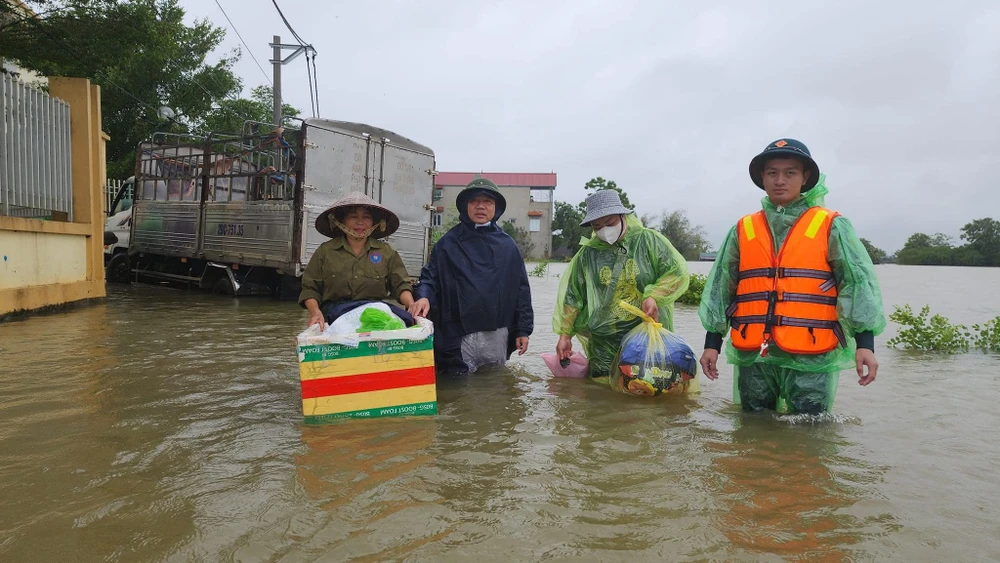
(642, 264)
(859, 306)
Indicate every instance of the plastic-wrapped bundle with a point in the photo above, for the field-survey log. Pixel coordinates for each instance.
(373, 319)
(642, 265)
(653, 361)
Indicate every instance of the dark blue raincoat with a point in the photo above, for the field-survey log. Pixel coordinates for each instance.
(475, 281)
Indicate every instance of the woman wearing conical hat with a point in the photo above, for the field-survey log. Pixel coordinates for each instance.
(354, 266)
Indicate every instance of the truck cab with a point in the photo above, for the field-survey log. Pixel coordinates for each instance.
(117, 228)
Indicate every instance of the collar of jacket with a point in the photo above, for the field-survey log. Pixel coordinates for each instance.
(370, 243)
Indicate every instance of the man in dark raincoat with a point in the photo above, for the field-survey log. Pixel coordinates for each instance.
(475, 287)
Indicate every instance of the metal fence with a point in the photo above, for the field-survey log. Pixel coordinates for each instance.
(35, 153)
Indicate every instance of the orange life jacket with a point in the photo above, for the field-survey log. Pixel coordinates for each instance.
(789, 299)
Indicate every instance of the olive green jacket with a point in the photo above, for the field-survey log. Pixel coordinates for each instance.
(335, 274)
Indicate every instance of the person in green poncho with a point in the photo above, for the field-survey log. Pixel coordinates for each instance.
(623, 261)
(795, 289)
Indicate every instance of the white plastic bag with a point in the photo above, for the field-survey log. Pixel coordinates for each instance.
(350, 322)
(485, 349)
(312, 335)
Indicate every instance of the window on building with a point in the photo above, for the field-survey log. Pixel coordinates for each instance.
(541, 195)
(438, 194)
(436, 219)
(534, 224)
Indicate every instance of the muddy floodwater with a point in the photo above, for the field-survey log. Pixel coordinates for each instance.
(163, 425)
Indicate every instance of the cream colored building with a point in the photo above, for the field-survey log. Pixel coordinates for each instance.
(529, 198)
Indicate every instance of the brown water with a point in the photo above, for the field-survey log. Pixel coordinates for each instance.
(165, 426)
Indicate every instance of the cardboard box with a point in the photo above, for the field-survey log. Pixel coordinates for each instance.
(371, 375)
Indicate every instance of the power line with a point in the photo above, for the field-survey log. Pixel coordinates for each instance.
(312, 98)
(266, 77)
(310, 71)
(315, 82)
(288, 25)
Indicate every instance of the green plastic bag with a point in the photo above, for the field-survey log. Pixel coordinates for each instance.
(373, 319)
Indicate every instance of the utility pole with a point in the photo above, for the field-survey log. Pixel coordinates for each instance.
(276, 60)
(277, 63)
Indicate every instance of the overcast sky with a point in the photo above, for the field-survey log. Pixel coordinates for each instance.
(898, 100)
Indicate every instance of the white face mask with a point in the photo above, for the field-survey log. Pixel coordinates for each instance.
(610, 234)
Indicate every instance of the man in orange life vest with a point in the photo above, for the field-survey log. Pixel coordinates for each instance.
(795, 289)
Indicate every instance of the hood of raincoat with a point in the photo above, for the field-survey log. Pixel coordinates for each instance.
(479, 186)
(475, 281)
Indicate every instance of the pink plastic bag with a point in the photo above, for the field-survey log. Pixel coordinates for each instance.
(577, 368)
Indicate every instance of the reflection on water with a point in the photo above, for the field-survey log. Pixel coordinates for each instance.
(166, 426)
(785, 490)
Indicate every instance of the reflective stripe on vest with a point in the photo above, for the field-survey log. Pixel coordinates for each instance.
(790, 299)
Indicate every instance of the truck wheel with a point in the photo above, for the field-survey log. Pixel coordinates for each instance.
(223, 287)
(119, 270)
(289, 288)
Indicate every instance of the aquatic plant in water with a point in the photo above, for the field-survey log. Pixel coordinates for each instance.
(693, 294)
(988, 335)
(540, 270)
(937, 334)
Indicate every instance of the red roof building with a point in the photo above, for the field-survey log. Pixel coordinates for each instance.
(529, 198)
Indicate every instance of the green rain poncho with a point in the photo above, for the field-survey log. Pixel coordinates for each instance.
(859, 300)
(642, 264)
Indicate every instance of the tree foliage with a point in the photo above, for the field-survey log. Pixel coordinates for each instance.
(599, 183)
(690, 240)
(875, 253)
(566, 229)
(521, 236)
(229, 115)
(141, 52)
(983, 237)
(438, 232)
(982, 247)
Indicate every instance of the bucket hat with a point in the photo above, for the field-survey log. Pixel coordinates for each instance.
(785, 148)
(481, 186)
(356, 199)
(603, 203)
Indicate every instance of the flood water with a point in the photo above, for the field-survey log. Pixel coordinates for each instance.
(164, 425)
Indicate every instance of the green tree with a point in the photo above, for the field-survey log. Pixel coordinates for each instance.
(141, 52)
(600, 183)
(923, 249)
(690, 240)
(520, 236)
(917, 241)
(230, 114)
(566, 222)
(438, 232)
(983, 238)
(876, 254)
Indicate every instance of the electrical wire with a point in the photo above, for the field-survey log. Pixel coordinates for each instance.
(288, 25)
(311, 71)
(316, 83)
(247, 47)
(312, 100)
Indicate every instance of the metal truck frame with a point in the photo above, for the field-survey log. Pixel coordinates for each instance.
(235, 214)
